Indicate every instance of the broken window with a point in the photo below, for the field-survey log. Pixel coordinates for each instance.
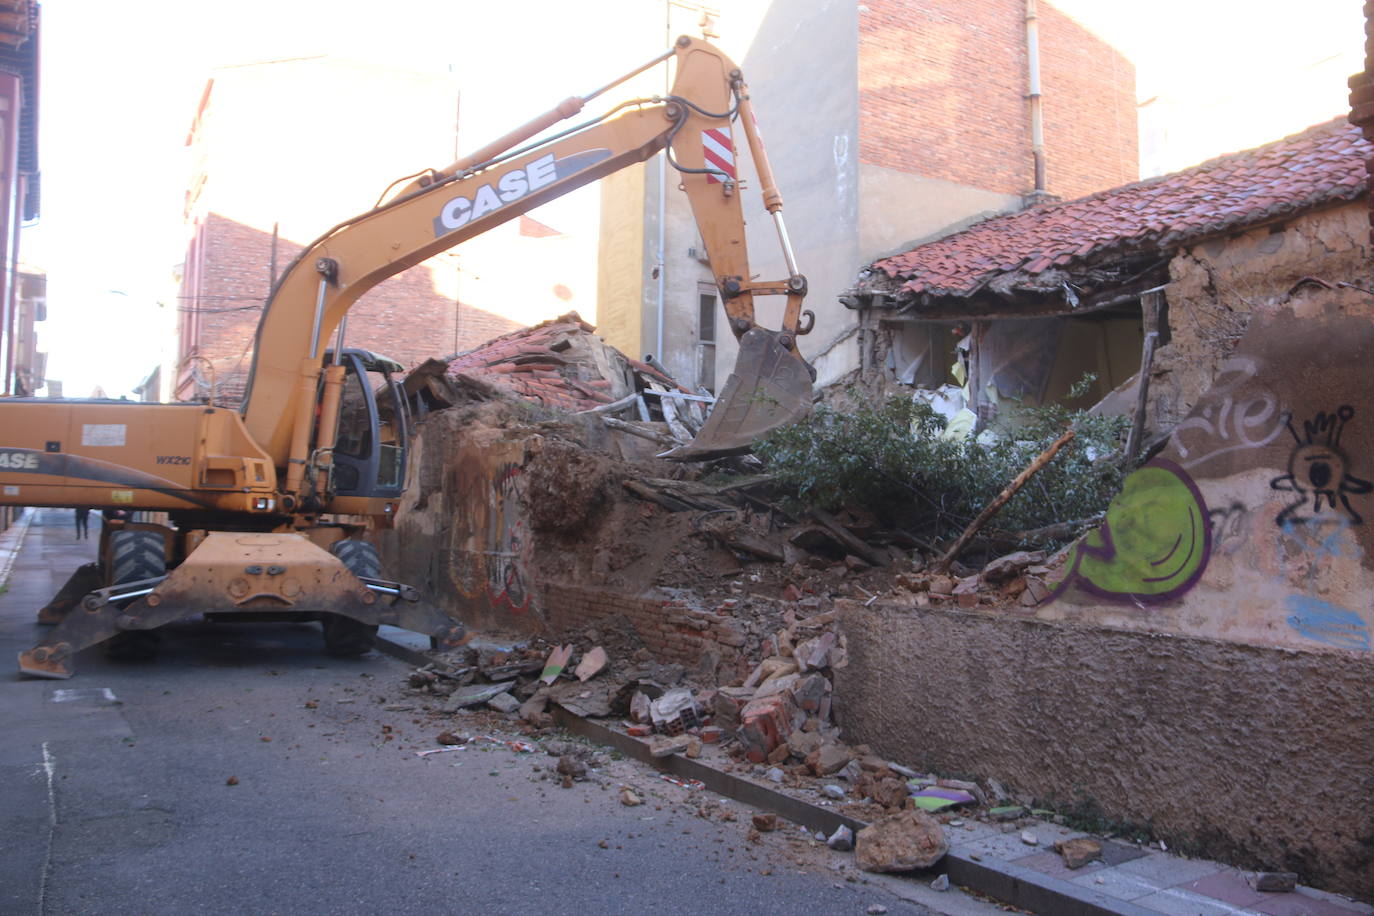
(706, 336)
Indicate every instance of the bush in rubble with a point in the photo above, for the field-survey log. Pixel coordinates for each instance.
(889, 459)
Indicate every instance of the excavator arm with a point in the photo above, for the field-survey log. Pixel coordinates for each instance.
(697, 122)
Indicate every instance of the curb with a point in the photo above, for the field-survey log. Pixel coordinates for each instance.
(1020, 887)
(10, 543)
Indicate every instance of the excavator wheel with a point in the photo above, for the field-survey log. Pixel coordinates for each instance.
(345, 636)
(135, 555)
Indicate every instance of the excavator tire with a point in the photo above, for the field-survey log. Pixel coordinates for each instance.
(135, 555)
(345, 636)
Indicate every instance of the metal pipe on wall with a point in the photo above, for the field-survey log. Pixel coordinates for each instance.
(1033, 94)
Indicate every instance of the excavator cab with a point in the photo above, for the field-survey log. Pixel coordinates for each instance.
(370, 446)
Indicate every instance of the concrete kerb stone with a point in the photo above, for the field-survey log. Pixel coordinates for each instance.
(10, 543)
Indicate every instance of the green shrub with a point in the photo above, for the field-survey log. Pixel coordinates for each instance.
(889, 458)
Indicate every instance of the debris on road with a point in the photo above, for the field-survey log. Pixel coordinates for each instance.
(901, 842)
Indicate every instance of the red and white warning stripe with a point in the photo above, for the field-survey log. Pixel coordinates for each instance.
(720, 153)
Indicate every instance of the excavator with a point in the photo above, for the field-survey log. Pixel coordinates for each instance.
(264, 512)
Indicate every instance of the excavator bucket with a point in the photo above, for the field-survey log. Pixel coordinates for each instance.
(770, 387)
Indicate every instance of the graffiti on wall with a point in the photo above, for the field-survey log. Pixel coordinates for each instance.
(1230, 527)
(1230, 424)
(1326, 623)
(1320, 545)
(1319, 471)
(489, 536)
(1153, 544)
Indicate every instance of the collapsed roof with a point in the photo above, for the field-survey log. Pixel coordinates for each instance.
(1096, 250)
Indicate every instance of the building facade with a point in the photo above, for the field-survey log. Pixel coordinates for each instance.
(887, 123)
(283, 150)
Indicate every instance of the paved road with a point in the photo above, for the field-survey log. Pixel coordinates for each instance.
(114, 794)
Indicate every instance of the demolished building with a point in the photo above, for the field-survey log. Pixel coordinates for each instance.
(1204, 653)
(1044, 295)
(1211, 641)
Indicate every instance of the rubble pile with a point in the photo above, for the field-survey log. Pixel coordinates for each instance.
(684, 605)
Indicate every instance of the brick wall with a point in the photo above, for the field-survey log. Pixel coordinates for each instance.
(669, 629)
(942, 87)
(227, 281)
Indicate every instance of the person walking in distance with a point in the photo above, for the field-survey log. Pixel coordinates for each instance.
(82, 524)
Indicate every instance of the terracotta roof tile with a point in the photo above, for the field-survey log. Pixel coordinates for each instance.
(1323, 164)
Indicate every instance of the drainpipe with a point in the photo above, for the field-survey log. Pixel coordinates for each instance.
(1033, 77)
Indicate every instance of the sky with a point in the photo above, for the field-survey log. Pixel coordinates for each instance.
(121, 81)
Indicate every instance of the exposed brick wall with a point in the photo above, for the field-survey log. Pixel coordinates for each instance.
(256, 163)
(224, 290)
(942, 94)
(669, 629)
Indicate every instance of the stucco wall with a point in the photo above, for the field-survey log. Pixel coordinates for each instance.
(1253, 524)
(1260, 757)
(1215, 285)
(890, 223)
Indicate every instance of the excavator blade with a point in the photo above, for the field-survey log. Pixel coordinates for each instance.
(770, 387)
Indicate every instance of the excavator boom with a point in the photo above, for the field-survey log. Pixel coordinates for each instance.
(697, 123)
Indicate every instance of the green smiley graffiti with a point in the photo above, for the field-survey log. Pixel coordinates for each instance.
(1154, 543)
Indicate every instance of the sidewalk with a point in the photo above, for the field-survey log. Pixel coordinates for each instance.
(12, 541)
(1127, 879)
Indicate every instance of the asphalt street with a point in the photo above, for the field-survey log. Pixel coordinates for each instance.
(245, 771)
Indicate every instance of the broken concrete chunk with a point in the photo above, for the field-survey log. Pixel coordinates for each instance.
(728, 703)
(831, 758)
(668, 746)
(1078, 851)
(629, 799)
(570, 766)
(901, 842)
(842, 840)
(535, 707)
(591, 665)
(1008, 567)
(815, 653)
(587, 700)
(504, 702)
(1037, 589)
(639, 707)
(940, 884)
(969, 585)
(1029, 838)
(804, 743)
(776, 685)
(942, 585)
(476, 695)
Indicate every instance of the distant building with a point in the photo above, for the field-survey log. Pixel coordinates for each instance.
(19, 41)
(282, 150)
(887, 123)
(19, 189)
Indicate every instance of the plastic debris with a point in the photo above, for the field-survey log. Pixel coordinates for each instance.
(937, 799)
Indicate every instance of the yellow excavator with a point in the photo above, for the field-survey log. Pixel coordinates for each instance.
(267, 508)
